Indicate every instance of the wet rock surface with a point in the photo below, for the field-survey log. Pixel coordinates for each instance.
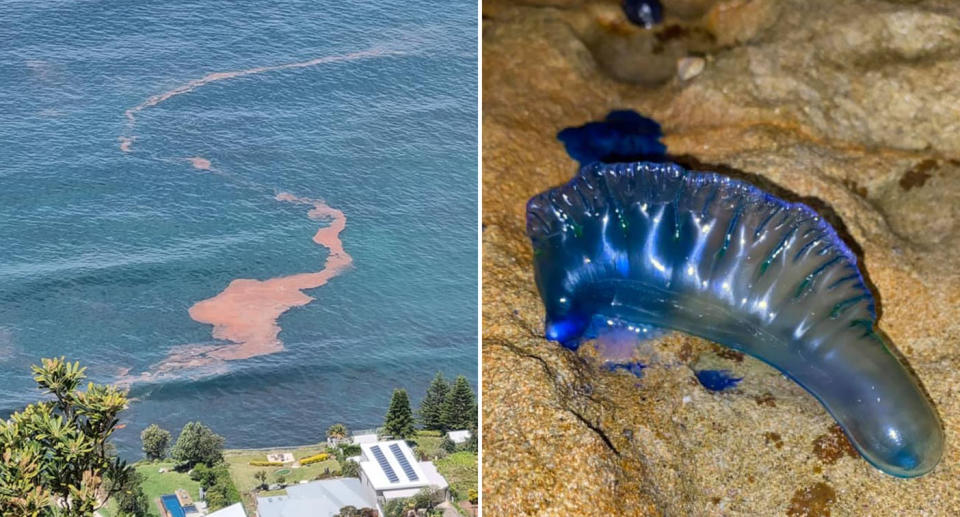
(852, 107)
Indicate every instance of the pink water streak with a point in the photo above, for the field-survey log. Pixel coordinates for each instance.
(246, 312)
(126, 142)
(199, 163)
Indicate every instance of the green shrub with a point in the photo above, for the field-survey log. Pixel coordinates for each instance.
(448, 445)
(350, 450)
(349, 469)
(204, 475)
(221, 491)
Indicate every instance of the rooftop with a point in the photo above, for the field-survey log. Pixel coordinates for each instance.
(360, 439)
(391, 465)
(317, 499)
(459, 436)
(234, 510)
(433, 479)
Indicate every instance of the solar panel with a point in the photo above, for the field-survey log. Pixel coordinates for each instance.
(382, 460)
(404, 464)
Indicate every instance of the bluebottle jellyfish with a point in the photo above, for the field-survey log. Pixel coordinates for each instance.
(717, 380)
(623, 136)
(653, 245)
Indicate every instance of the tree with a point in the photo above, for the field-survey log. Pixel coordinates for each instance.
(156, 442)
(460, 409)
(398, 507)
(197, 443)
(352, 511)
(55, 456)
(261, 477)
(349, 469)
(399, 420)
(473, 443)
(204, 475)
(337, 431)
(448, 445)
(431, 407)
(281, 479)
(426, 499)
(218, 485)
(130, 499)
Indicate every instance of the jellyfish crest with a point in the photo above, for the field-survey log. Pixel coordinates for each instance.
(653, 244)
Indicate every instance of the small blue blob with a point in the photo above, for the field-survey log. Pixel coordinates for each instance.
(566, 330)
(717, 380)
(634, 367)
(645, 13)
(624, 136)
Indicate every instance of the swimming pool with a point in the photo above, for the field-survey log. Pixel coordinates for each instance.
(172, 505)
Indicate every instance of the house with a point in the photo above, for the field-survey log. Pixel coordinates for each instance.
(234, 510)
(459, 436)
(360, 439)
(390, 470)
(317, 499)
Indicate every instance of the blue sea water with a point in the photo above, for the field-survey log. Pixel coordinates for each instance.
(102, 252)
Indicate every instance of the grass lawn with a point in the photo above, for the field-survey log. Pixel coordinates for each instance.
(460, 471)
(428, 442)
(156, 484)
(242, 472)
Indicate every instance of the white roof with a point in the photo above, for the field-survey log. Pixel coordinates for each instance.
(403, 493)
(234, 510)
(433, 479)
(391, 458)
(459, 436)
(317, 499)
(433, 476)
(360, 439)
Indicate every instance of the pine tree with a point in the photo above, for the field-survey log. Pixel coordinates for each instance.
(399, 420)
(459, 410)
(431, 408)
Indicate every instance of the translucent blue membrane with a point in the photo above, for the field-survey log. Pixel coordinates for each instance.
(653, 245)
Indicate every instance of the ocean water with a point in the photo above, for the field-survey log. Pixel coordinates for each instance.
(151, 154)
